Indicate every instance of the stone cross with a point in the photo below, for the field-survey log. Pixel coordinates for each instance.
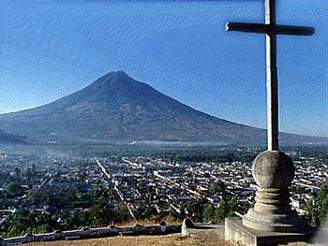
(273, 170)
(271, 30)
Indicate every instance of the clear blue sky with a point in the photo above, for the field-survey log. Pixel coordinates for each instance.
(52, 48)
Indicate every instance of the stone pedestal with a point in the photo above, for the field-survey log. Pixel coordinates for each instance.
(235, 231)
(272, 216)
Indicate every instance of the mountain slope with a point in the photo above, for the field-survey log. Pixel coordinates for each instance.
(6, 138)
(118, 108)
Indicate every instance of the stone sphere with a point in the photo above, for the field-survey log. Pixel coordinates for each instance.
(273, 169)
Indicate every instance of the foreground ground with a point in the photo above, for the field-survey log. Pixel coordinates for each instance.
(213, 237)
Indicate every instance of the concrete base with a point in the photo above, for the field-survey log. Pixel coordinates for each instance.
(237, 232)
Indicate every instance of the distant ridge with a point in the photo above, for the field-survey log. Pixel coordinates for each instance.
(117, 108)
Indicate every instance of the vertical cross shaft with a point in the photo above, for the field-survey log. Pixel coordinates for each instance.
(272, 77)
(271, 30)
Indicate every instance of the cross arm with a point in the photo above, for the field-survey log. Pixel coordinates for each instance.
(270, 29)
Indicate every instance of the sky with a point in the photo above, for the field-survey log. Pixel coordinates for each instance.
(49, 49)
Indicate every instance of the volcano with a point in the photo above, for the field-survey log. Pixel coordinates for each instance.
(117, 108)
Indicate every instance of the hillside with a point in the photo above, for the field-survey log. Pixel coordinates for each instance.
(6, 138)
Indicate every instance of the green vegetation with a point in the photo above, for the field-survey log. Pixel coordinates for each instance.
(203, 211)
(317, 206)
(226, 208)
(101, 213)
(14, 189)
(216, 187)
(25, 222)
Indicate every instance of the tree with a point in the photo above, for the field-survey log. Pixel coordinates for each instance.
(102, 213)
(208, 212)
(313, 211)
(227, 207)
(20, 222)
(323, 201)
(216, 187)
(193, 210)
(317, 206)
(14, 189)
(122, 213)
